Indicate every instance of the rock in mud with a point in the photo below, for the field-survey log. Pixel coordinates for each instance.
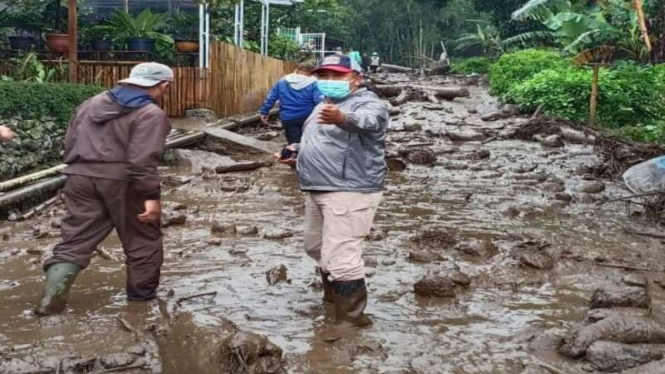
(437, 239)
(563, 197)
(585, 198)
(493, 116)
(537, 260)
(267, 136)
(424, 256)
(277, 234)
(617, 328)
(465, 136)
(248, 230)
(173, 219)
(421, 157)
(612, 296)
(593, 187)
(213, 345)
(460, 278)
(395, 164)
(376, 235)
(435, 286)
(654, 367)
(482, 154)
(552, 187)
(478, 248)
(510, 110)
(276, 275)
(615, 357)
(455, 166)
(412, 126)
(249, 353)
(595, 315)
(223, 229)
(575, 136)
(214, 241)
(552, 141)
(635, 280)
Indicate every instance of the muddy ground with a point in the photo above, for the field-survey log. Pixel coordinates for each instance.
(492, 218)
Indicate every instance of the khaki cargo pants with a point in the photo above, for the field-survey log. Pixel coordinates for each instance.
(336, 224)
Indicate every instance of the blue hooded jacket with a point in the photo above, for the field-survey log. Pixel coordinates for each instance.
(297, 95)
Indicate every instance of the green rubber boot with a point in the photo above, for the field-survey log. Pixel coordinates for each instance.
(59, 279)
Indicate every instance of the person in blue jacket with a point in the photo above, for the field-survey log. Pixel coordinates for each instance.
(297, 94)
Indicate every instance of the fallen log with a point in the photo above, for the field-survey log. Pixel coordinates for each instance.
(404, 96)
(397, 68)
(421, 92)
(241, 166)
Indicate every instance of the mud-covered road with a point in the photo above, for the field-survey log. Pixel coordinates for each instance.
(493, 215)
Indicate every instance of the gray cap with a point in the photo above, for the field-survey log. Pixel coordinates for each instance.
(149, 74)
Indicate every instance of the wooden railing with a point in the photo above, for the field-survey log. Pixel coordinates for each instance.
(236, 82)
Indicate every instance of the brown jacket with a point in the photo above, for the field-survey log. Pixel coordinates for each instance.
(118, 135)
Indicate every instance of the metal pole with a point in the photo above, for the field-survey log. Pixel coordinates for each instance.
(126, 6)
(267, 26)
(201, 38)
(242, 24)
(207, 31)
(236, 25)
(263, 26)
(73, 42)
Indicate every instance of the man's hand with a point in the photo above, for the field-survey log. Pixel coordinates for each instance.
(153, 212)
(6, 134)
(265, 118)
(330, 114)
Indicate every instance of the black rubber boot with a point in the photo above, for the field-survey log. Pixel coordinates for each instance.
(59, 279)
(350, 302)
(327, 288)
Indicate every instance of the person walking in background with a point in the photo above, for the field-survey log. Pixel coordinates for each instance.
(375, 62)
(355, 55)
(297, 94)
(365, 63)
(6, 134)
(341, 166)
(112, 148)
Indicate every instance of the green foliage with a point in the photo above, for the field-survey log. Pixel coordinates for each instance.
(631, 97)
(146, 25)
(37, 143)
(485, 38)
(43, 100)
(183, 25)
(283, 48)
(514, 68)
(477, 65)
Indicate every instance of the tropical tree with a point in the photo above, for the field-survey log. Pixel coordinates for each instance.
(486, 38)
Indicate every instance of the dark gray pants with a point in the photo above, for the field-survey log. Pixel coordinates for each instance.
(94, 208)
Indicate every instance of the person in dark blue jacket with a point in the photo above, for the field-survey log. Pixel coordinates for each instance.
(297, 94)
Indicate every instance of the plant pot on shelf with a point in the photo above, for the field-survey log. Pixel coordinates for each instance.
(101, 45)
(187, 46)
(57, 43)
(141, 45)
(22, 43)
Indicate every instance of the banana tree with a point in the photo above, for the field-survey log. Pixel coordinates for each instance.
(486, 38)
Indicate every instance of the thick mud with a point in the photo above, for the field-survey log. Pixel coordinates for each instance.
(515, 216)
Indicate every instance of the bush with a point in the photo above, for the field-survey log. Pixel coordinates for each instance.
(39, 114)
(630, 97)
(38, 143)
(43, 100)
(477, 65)
(513, 69)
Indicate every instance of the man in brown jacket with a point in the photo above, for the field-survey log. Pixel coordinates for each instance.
(113, 147)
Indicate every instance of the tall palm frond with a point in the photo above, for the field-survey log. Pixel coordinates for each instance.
(540, 9)
(530, 39)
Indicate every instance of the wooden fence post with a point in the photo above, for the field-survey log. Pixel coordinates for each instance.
(73, 42)
(594, 95)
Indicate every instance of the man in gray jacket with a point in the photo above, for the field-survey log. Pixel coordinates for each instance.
(341, 166)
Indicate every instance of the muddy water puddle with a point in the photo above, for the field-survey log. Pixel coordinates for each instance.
(504, 201)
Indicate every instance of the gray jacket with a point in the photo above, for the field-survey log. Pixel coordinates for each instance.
(348, 157)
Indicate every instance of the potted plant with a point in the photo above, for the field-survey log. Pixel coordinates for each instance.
(100, 37)
(58, 39)
(140, 33)
(22, 28)
(184, 28)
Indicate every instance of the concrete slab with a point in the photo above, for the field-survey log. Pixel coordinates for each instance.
(239, 143)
